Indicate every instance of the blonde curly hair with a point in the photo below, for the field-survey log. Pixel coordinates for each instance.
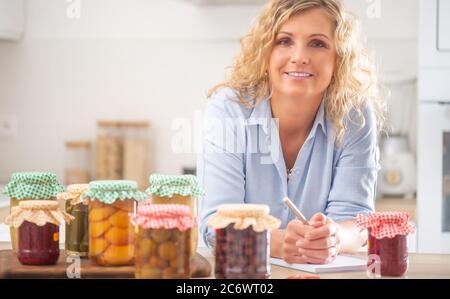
(354, 84)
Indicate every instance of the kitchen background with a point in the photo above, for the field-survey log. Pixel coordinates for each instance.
(141, 65)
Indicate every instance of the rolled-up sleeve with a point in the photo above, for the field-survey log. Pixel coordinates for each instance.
(220, 164)
(355, 174)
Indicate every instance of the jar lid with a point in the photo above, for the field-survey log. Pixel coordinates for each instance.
(109, 191)
(168, 185)
(33, 185)
(38, 212)
(386, 224)
(243, 216)
(166, 216)
(74, 194)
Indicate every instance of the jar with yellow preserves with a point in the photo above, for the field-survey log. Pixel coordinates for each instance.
(111, 235)
(30, 186)
(77, 233)
(177, 189)
(163, 241)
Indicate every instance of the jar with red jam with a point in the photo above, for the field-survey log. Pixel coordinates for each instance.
(242, 240)
(37, 223)
(163, 241)
(387, 243)
(30, 186)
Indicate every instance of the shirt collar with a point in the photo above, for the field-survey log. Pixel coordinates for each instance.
(262, 115)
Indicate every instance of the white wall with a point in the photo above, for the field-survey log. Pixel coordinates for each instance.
(144, 59)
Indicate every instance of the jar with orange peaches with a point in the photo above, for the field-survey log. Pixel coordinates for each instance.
(163, 241)
(177, 189)
(111, 235)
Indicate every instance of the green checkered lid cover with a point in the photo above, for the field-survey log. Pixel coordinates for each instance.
(33, 185)
(108, 191)
(168, 185)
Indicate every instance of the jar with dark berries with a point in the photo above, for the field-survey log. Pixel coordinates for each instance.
(243, 240)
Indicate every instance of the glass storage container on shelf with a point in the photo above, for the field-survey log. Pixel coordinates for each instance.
(136, 152)
(242, 240)
(77, 162)
(163, 241)
(30, 186)
(77, 233)
(38, 224)
(177, 189)
(109, 151)
(111, 235)
(387, 243)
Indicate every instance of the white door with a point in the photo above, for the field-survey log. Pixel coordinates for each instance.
(433, 193)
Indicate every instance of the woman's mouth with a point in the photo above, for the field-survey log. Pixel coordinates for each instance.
(298, 75)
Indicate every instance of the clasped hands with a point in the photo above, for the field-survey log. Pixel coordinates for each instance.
(316, 243)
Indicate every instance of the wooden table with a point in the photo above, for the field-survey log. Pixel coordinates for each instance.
(421, 266)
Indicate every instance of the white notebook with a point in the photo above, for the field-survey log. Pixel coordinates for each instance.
(342, 263)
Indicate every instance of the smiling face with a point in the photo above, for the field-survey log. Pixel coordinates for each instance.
(303, 56)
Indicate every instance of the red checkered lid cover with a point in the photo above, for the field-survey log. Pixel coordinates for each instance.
(166, 216)
(386, 224)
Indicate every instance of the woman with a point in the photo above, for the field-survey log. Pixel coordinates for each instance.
(299, 118)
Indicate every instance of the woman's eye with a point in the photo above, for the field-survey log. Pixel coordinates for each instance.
(318, 44)
(284, 42)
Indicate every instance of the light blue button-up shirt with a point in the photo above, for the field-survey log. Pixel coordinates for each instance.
(242, 162)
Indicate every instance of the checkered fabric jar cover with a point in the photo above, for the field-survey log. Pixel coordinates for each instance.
(386, 224)
(168, 185)
(33, 185)
(109, 191)
(167, 216)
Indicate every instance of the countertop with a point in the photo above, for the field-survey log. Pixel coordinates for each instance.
(420, 266)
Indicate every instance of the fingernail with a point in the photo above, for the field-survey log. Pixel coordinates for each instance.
(300, 243)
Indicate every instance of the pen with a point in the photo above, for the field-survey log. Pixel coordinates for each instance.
(296, 211)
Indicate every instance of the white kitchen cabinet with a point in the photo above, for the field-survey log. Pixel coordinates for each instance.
(12, 19)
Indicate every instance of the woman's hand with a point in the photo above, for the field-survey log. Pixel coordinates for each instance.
(294, 232)
(321, 243)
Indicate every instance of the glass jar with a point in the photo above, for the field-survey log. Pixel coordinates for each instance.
(177, 189)
(77, 162)
(136, 152)
(38, 223)
(392, 253)
(242, 253)
(38, 245)
(109, 151)
(387, 242)
(30, 186)
(163, 241)
(77, 232)
(242, 241)
(111, 235)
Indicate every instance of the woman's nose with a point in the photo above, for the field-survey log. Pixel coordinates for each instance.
(300, 56)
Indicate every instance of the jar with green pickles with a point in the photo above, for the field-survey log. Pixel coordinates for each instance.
(77, 231)
(163, 241)
(111, 234)
(177, 189)
(30, 186)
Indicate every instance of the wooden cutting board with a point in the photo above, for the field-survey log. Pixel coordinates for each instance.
(10, 267)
